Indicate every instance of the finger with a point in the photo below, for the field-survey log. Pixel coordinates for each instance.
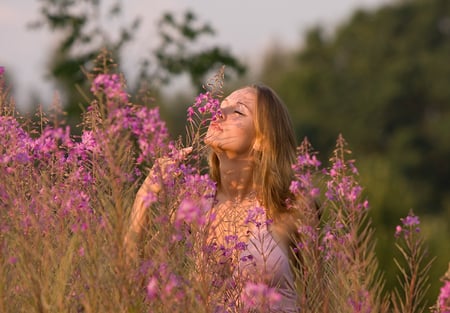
(185, 152)
(181, 154)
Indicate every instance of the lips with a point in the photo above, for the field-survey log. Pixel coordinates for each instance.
(215, 126)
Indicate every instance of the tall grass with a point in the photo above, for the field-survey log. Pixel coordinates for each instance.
(65, 206)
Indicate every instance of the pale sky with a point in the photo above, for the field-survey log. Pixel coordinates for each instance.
(245, 27)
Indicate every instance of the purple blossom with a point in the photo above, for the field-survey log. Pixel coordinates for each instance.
(304, 169)
(343, 188)
(259, 296)
(171, 284)
(15, 143)
(295, 187)
(409, 224)
(410, 220)
(256, 215)
(231, 239)
(354, 193)
(314, 192)
(359, 302)
(152, 288)
(306, 160)
(150, 198)
(12, 260)
(240, 246)
(190, 212)
(246, 258)
(111, 85)
(88, 141)
(308, 234)
(145, 125)
(398, 230)
(444, 298)
(205, 103)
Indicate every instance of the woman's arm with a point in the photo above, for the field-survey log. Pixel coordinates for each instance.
(152, 186)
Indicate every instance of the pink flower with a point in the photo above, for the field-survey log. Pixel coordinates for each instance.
(111, 86)
(256, 215)
(410, 220)
(12, 260)
(398, 230)
(259, 296)
(191, 212)
(88, 140)
(444, 298)
(171, 284)
(409, 224)
(204, 103)
(152, 288)
(360, 302)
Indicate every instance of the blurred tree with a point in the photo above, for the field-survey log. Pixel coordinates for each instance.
(85, 30)
(82, 36)
(176, 55)
(382, 80)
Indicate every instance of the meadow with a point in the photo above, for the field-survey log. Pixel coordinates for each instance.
(65, 204)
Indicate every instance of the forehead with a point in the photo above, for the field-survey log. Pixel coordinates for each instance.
(246, 96)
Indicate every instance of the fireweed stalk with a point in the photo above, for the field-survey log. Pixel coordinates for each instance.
(347, 242)
(65, 206)
(338, 271)
(413, 266)
(310, 280)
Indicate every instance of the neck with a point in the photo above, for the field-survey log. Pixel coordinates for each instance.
(236, 178)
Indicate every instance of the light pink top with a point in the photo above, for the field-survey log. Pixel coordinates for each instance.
(270, 264)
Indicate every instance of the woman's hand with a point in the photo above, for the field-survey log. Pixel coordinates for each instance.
(162, 170)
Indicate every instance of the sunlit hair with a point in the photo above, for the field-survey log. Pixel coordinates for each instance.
(274, 152)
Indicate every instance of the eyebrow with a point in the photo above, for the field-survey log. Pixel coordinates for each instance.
(239, 102)
(244, 104)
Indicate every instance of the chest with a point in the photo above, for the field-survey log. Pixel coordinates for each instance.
(229, 224)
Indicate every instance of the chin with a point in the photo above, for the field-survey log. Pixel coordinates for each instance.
(213, 145)
(209, 139)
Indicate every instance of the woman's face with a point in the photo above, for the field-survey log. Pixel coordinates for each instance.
(233, 131)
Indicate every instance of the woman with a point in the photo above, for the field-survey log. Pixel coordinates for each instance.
(252, 149)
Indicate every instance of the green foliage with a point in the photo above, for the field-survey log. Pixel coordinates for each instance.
(83, 36)
(382, 80)
(175, 57)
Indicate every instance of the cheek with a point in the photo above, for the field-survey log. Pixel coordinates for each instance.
(247, 135)
(249, 130)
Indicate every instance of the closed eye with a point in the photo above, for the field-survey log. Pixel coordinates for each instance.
(238, 112)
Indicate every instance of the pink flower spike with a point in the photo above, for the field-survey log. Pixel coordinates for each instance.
(152, 288)
(444, 298)
(411, 220)
(259, 296)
